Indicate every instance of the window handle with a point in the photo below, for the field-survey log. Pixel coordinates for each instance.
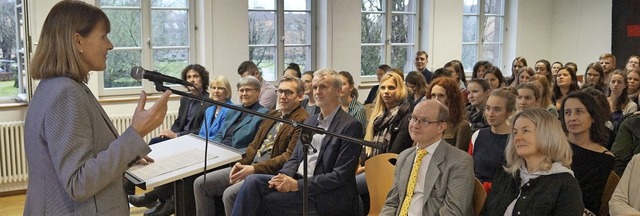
(282, 39)
(149, 42)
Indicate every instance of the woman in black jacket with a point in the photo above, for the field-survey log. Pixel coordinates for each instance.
(536, 179)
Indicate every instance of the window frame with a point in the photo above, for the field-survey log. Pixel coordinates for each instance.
(281, 42)
(480, 42)
(23, 55)
(147, 47)
(387, 44)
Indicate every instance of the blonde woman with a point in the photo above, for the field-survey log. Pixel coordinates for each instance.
(220, 90)
(536, 179)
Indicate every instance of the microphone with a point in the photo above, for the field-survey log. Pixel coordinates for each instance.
(138, 73)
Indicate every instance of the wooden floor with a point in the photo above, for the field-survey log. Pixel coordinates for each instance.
(14, 205)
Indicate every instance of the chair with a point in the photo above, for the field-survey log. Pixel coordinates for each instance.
(379, 175)
(609, 188)
(368, 110)
(479, 196)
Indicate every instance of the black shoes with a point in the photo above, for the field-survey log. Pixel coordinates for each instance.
(163, 208)
(142, 201)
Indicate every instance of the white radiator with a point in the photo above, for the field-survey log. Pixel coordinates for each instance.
(13, 160)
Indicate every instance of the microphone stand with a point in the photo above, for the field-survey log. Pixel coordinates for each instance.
(305, 137)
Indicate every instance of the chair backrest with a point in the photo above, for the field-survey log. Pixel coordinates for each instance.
(368, 110)
(609, 188)
(479, 196)
(379, 175)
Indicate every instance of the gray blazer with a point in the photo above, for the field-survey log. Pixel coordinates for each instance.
(448, 185)
(76, 159)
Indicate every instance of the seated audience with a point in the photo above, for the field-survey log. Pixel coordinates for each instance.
(594, 76)
(421, 60)
(524, 75)
(349, 98)
(380, 71)
(528, 96)
(618, 97)
(479, 68)
(554, 70)
(536, 179)
(488, 144)
(605, 112)
(221, 92)
(633, 63)
(479, 91)
(588, 136)
(433, 178)
(292, 70)
(309, 103)
(543, 67)
(627, 143)
(239, 128)
(626, 198)
(417, 87)
(566, 82)
(458, 132)
(269, 150)
(331, 169)
(268, 95)
(495, 78)
(633, 78)
(456, 67)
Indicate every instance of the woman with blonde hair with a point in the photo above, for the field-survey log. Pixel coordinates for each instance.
(220, 90)
(537, 179)
(446, 91)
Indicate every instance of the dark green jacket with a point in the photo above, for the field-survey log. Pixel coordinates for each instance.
(627, 143)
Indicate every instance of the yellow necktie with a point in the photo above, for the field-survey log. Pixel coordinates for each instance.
(412, 182)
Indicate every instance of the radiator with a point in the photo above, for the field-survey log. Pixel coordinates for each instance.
(13, 160)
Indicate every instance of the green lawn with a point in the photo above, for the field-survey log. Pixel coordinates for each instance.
(7, 89)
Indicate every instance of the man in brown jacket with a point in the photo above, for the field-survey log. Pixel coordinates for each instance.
(266, 154)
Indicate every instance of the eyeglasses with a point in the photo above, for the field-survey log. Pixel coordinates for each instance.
(422, 121)
(286, 92)
(247, 90)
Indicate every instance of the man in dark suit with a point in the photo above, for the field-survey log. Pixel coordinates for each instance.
(433, 178)
(331, 169)
(422, 58)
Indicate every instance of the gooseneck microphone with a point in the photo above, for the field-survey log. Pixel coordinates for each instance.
(139, 73)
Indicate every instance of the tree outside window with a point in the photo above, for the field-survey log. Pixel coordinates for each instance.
(388, 34)
(13, 51)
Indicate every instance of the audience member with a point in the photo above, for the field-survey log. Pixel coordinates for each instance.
(588, 136)
(524, 75)
(494, 76)
(268, 95)
(608, 62)
(309, 103)
(458, 73)
(479, 91)
(516, 66)
(292, 70)
(479, 68)
(543, 67)
(545, 93)
(446, 91)
(417, 87)
(566, 82)
(221, 92)
(554, 69)
(618, 97)
(349, 98)
(536, 179)
(626, 198)
(594, 76)
(633, 63)
(633, 78)
(528, 96)
(422, 58)
(269, 150)
(626, 144)
(331, 170)
(380, 71)
(433, 178)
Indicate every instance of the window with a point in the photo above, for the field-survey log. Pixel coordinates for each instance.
(13, 51)
(388, 34)
(280, 32)
(154, 34)
(482, 32)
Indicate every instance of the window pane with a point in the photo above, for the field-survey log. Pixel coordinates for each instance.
(118, 72)
(402, 28)
(492, 29)
(125, 27)
(403, 5)
(296, 4)
(491, 53)
(372, 5)
(262, 28)
(262, 4)
(401, 57)
(296, 28)
(371, 57)
(470, 6)
(493, 6)
(299, 55)
(120, 3)
(372, 28)
(170, 61)
(469, 28)
(469, 57)
(170, 3)
(9, 80)
(170, 28)
(265, 58)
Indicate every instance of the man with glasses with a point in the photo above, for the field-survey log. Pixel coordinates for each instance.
(331, 166)
(265, 155)
(267, 94)
(434, 177)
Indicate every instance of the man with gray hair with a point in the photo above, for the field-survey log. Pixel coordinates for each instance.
(331, 168)
(270, 149)
(239, 128)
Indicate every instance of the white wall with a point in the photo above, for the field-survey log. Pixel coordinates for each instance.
(557, 30)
